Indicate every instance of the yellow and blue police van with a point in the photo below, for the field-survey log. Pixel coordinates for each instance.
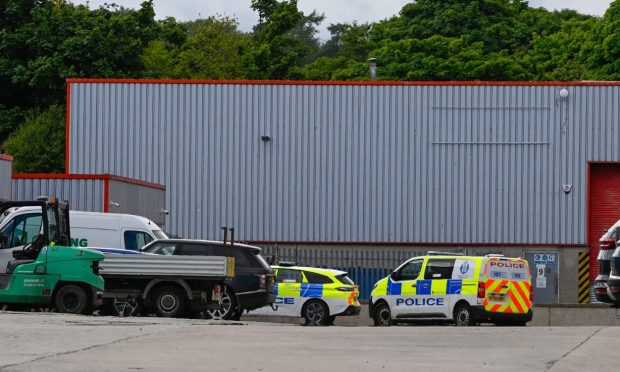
(467, 290)
(318, 295)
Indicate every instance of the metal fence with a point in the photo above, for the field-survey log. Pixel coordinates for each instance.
(365, 266)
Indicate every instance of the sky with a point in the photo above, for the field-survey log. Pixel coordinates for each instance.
(335, 11)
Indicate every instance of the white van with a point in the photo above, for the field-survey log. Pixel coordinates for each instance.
(19, 226)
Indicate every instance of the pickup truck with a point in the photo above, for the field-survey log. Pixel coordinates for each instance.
(169, 286)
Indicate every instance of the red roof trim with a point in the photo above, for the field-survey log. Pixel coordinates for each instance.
(417, 244)
(362, 83)
(102, 177)
(6, 157)
(59, 176)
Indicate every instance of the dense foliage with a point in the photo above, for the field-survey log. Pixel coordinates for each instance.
(43, 42)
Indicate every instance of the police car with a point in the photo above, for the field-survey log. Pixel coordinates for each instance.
(315, 294)
(465, 289)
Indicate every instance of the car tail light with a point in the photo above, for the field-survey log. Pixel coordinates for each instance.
(531, 295)
(614, 289)
(346, 289)
(481, 290)
(262, 278)
(607, 244)
(600, 290)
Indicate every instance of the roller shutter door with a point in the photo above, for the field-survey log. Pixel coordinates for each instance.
(604, 210)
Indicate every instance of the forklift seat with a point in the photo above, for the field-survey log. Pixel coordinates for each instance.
(13, 264)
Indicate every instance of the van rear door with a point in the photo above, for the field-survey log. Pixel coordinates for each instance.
(508, 285)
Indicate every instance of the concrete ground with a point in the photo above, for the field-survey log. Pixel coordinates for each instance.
(58, 342)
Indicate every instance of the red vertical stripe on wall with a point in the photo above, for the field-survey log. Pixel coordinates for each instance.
(106, 195)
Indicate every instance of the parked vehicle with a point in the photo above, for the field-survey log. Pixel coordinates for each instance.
(465, 289)
(613, 282)
(169, 286)
(607, 245)
(315, 294)
(20, 225)
(251, 287)
(45, 271)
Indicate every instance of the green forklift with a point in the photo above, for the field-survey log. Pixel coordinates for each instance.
(47, 272)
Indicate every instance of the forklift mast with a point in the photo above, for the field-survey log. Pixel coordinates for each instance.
(55, 219)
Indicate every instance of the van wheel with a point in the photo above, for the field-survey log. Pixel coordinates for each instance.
(315, 313)
(382, 316)
(463, 316)
(169, 302)
(71, 299)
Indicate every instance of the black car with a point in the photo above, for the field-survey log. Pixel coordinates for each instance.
(253, 284)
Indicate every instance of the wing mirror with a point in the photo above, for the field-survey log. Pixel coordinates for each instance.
(394, 275)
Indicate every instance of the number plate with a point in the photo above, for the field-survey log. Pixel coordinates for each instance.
(496, 298)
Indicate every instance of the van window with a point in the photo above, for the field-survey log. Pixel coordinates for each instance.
(439, 269)
(410, 271)
(135, 240)
(22, 230)
(163, 248)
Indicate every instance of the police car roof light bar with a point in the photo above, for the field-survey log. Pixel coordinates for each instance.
(494, 255)
(438, 253)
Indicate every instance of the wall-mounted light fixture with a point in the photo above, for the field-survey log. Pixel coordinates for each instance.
(114, 204)
(564, 93)
(265, 138)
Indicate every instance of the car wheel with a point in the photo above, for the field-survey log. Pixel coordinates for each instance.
(463, 316)
(382, 316)
(126, 307)
(315, 313)
(169, 302)
(226, 310)
(71, 299)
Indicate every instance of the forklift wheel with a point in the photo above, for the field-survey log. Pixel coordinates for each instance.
(71, 299)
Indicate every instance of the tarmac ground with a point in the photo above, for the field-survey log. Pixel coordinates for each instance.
(60, 342)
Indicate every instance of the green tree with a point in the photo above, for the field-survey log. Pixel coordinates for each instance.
(284, 38)
(605, 58)
(39, 144)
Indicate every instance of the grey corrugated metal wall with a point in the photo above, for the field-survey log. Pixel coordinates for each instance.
(6, 169)
(136, 199)
(82, 194)
(372, 163)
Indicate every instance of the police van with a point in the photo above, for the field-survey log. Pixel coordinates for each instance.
(318, 295)
(465, 289)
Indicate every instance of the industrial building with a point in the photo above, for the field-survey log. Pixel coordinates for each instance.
(362, 175)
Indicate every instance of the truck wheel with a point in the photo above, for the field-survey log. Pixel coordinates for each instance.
(227, 308)
(315, 313)
(463, 316)
(169, 302)
(382, 316)
(71, 299)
